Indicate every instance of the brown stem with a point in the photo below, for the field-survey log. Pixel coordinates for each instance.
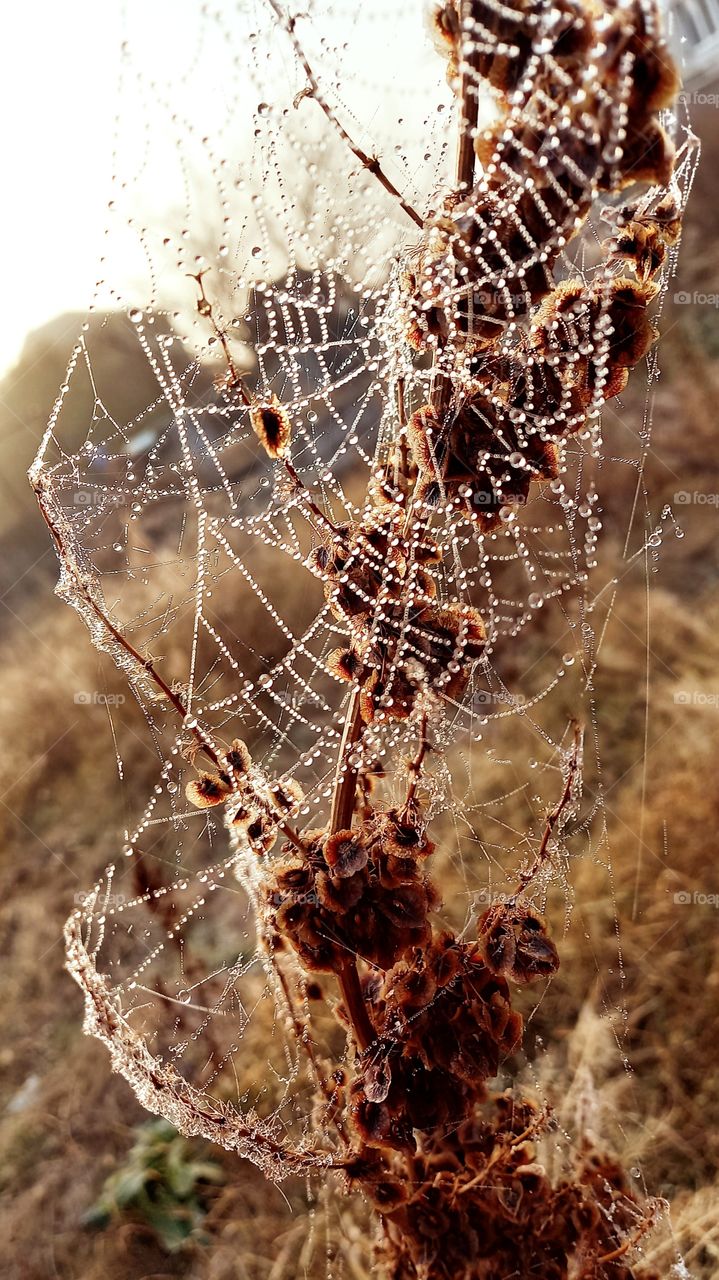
(290, 834)
(343, 803)
(469, 108)
(371, 163)
(441, 387)
(351, 991)
(343, 797)
(631, 1243)
(146, 663)
(204, 307)
(307, 497)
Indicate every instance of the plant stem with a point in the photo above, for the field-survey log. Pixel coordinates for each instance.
(371, 163)
(343, 803)
(351, 991)
(469, 109)
(343, 797)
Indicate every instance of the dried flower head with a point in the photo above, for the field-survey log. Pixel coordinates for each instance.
(207, 790)
(272, 426)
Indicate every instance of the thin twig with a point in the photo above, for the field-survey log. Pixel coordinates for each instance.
(146, 664)
(343, 798)
(469, 112)
(204, 306)
(371, 163)
(307, 497)
(351, 991)
(553, 817)
(343, 803)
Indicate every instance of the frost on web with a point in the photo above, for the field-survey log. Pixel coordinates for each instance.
(313, 320)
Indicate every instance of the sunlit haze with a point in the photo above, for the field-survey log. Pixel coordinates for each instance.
(84, 125)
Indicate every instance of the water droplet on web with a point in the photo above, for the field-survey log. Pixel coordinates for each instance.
(136, 316)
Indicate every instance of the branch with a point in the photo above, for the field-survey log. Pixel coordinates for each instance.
(345, 777)
(552, 818)
(371, 163)
(469, 108)
(146, 664)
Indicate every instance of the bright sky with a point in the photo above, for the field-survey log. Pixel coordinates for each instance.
(60, 91)
(58, 99)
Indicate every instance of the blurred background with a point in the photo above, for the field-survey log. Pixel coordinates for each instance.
(90, 1186)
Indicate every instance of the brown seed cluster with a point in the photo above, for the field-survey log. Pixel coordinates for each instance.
(478, 1204)
(444, 1023)
(440, 1008)
(358, 893)
(588, 123)
(379, 583)
(256, 807)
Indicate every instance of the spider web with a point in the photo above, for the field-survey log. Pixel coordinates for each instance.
(234, 187)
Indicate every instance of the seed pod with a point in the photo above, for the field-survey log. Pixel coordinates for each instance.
(516, 943)
(239, 758)
(207, 791)
(345, 853)
(345, 664)
(287, 795)
(272, 426)
(338, 896)
(403, 838)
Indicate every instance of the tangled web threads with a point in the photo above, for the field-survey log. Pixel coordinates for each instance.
(402, 411)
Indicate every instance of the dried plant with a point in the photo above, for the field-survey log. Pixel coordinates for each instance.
(505, 326)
